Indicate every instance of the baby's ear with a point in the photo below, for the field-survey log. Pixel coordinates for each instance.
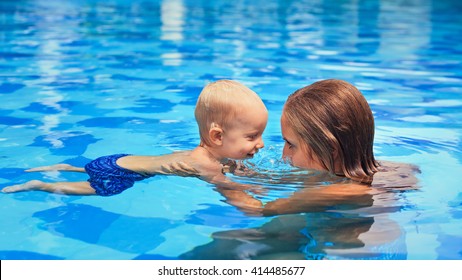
(216, 134)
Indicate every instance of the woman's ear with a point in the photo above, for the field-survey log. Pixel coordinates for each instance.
(216, 134)
(337, 160)
(335, 153)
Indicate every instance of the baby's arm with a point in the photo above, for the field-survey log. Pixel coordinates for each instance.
(178, 168)
(171, 164)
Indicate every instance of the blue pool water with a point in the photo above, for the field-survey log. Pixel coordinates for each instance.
(81, 79)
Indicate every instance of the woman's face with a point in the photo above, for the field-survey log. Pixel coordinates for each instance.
(296, 151)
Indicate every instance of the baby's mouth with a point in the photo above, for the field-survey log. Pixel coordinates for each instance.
(252, 154)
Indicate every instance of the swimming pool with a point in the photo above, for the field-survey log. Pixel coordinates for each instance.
(81, 79)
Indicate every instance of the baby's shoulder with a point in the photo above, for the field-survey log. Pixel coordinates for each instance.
(203, 164)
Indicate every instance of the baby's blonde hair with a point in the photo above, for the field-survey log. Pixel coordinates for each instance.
(220, 103)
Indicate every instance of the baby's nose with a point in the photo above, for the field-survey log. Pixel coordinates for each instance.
(260, 144)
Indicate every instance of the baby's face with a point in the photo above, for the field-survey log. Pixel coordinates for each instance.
(243, 138)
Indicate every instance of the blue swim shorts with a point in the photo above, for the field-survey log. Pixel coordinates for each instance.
(108, 178)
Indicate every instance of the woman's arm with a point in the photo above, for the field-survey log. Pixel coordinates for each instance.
(321, 198)
(313, 198)
(308, 199)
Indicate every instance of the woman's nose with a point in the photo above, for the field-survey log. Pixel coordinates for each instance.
(285, 152)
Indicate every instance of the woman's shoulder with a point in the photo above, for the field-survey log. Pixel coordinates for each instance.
(396, 175)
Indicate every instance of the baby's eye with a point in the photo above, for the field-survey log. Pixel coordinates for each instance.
(252, 137)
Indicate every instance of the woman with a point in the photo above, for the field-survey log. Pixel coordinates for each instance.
(329, 126)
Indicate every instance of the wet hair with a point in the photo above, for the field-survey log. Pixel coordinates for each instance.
(333, 117)
(220, 103)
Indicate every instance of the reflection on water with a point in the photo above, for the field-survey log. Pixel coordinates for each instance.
(308, 236)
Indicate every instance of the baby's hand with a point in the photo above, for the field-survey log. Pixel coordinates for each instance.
(180, 168)
(229, 167)
(239, 168)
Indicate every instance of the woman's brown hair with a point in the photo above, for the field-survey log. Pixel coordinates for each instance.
(335, 121)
